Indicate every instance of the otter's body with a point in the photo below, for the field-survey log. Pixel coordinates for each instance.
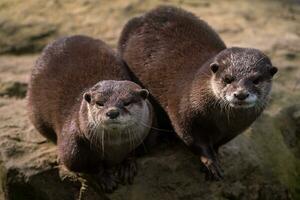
(170, 52)
(69, 80)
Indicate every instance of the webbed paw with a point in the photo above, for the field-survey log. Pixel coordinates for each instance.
(213, 170)
(127, 171)
(108, 181)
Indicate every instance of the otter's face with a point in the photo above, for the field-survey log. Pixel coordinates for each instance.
(115, 104)
(242, 77)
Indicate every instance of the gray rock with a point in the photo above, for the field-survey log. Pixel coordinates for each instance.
(258, 164)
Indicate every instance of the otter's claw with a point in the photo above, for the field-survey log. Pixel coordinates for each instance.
(108, 181)
(127, 171)
(213, 169)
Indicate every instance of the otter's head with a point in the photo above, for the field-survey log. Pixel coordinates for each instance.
(242, 77)
(115, 104)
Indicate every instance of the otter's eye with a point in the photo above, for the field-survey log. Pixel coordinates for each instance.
(127, 103)
(228, 79)
(256, 81)
(99, 104)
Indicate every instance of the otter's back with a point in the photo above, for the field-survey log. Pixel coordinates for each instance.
(165, 47)
(64, 70)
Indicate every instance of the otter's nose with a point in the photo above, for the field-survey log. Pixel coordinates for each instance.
(241, 95)
(112, 114)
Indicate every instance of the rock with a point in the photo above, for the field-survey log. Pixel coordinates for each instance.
(255, 166)
(27, 38)
(28, 163)
(13, 89)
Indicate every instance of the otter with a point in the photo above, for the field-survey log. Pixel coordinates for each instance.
(80, 97)
(209, 92)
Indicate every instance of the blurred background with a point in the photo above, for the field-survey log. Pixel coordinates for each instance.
(261, 164)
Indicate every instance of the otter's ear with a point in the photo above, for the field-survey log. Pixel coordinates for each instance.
(87, 97)
(214, 67)
(273, 70)
(144, 93)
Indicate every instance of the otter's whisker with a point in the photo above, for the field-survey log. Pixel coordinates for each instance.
(141, 141)
(133, 138)
(138, 121)
(130, 139)
(103, 132)
(137, 138)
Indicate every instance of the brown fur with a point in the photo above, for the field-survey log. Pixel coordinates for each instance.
(67, 70)
(169, 51)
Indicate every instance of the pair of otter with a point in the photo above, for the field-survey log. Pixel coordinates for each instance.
(208, 92)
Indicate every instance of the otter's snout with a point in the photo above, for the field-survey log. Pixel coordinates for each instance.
(113, 113)
(241, 98)
(241, 95)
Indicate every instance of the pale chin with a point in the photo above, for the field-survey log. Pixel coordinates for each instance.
(117, 124)
(247, 103)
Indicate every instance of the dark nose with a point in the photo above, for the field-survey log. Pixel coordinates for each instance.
(241, 95)
(112, 114)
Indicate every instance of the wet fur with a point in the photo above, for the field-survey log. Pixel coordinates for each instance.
(65, 70)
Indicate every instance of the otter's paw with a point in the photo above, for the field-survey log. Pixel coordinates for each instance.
(108, 181)
(127, 171)
(212, 169)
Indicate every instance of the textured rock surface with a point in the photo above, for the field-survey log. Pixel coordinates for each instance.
(261, 164)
